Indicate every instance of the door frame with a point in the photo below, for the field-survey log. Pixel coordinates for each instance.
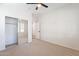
(17, 32)
(35, 17)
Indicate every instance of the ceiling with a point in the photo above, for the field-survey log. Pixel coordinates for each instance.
(51, 7)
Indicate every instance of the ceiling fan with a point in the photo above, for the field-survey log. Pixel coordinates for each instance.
(39, 5)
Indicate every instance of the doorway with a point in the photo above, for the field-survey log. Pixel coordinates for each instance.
(11, 31)
(22, 31)
(36, 27)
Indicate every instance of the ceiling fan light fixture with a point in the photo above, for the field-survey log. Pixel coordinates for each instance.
(39, 5)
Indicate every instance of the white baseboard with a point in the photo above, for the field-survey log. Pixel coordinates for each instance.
(2, 49)
(60, 45)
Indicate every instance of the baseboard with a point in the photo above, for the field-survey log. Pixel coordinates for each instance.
(11, 44)
(48, 41)
(2, 49)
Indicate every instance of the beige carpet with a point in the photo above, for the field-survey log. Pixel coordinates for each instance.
(38, 48)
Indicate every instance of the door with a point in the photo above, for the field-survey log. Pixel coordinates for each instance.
(23, 32)
(11, 30)
(36, 30)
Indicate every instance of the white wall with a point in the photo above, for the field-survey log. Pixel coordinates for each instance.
(2, 33)
(61, 26)
(20, 11)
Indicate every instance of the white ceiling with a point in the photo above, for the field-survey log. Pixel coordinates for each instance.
(51, 6)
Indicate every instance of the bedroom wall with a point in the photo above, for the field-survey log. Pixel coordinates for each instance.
(61, 26)
(15, 10)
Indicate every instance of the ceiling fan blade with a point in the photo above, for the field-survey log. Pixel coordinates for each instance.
(31, 3)
(44, 5)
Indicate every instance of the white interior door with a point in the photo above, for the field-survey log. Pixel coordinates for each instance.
(36, 30)
(23, 32)
(11, 30)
